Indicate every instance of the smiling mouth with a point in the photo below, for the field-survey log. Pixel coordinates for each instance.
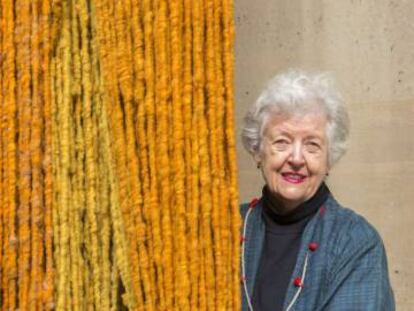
(293, 178)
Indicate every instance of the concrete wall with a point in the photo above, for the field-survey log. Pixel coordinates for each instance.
(369, 46)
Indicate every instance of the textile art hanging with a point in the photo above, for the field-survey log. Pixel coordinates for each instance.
(117, 156)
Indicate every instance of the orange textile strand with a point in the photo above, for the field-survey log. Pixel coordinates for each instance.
(37, 260)
(182, 282)
(149, 114)
(10, 241)
(162, 93)
(45, 84)
(228, 34)
(24, 128)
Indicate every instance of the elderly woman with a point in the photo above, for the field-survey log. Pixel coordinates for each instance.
(301, 249)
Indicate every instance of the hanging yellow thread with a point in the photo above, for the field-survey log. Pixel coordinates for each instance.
(62, 126)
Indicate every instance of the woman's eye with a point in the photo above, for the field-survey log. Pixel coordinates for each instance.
(281, 144)
(313, 146)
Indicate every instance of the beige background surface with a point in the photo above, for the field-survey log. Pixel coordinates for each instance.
(369, 47)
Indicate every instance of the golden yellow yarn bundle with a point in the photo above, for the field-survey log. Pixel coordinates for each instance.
(117, 156)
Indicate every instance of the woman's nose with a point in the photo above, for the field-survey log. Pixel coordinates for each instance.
(296, 157)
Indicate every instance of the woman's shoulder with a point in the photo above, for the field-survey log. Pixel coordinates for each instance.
(244, 207)
(349, 229)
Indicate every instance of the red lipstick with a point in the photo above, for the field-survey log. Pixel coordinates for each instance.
(293, 178)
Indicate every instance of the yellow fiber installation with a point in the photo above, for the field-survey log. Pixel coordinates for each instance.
(117, 156)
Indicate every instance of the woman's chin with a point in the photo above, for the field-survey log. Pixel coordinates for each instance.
(292, 197)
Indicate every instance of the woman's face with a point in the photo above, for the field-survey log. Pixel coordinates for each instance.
(294, 156)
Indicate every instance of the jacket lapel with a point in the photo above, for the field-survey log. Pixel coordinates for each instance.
(255, 232)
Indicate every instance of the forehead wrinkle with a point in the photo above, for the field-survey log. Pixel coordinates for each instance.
(284, 127)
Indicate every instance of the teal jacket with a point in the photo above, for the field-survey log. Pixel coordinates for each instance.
(341, 265)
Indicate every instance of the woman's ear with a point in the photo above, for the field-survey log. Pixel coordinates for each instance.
(328, 169)
(258, 159)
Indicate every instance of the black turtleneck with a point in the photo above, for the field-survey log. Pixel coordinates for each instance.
(281, 246)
